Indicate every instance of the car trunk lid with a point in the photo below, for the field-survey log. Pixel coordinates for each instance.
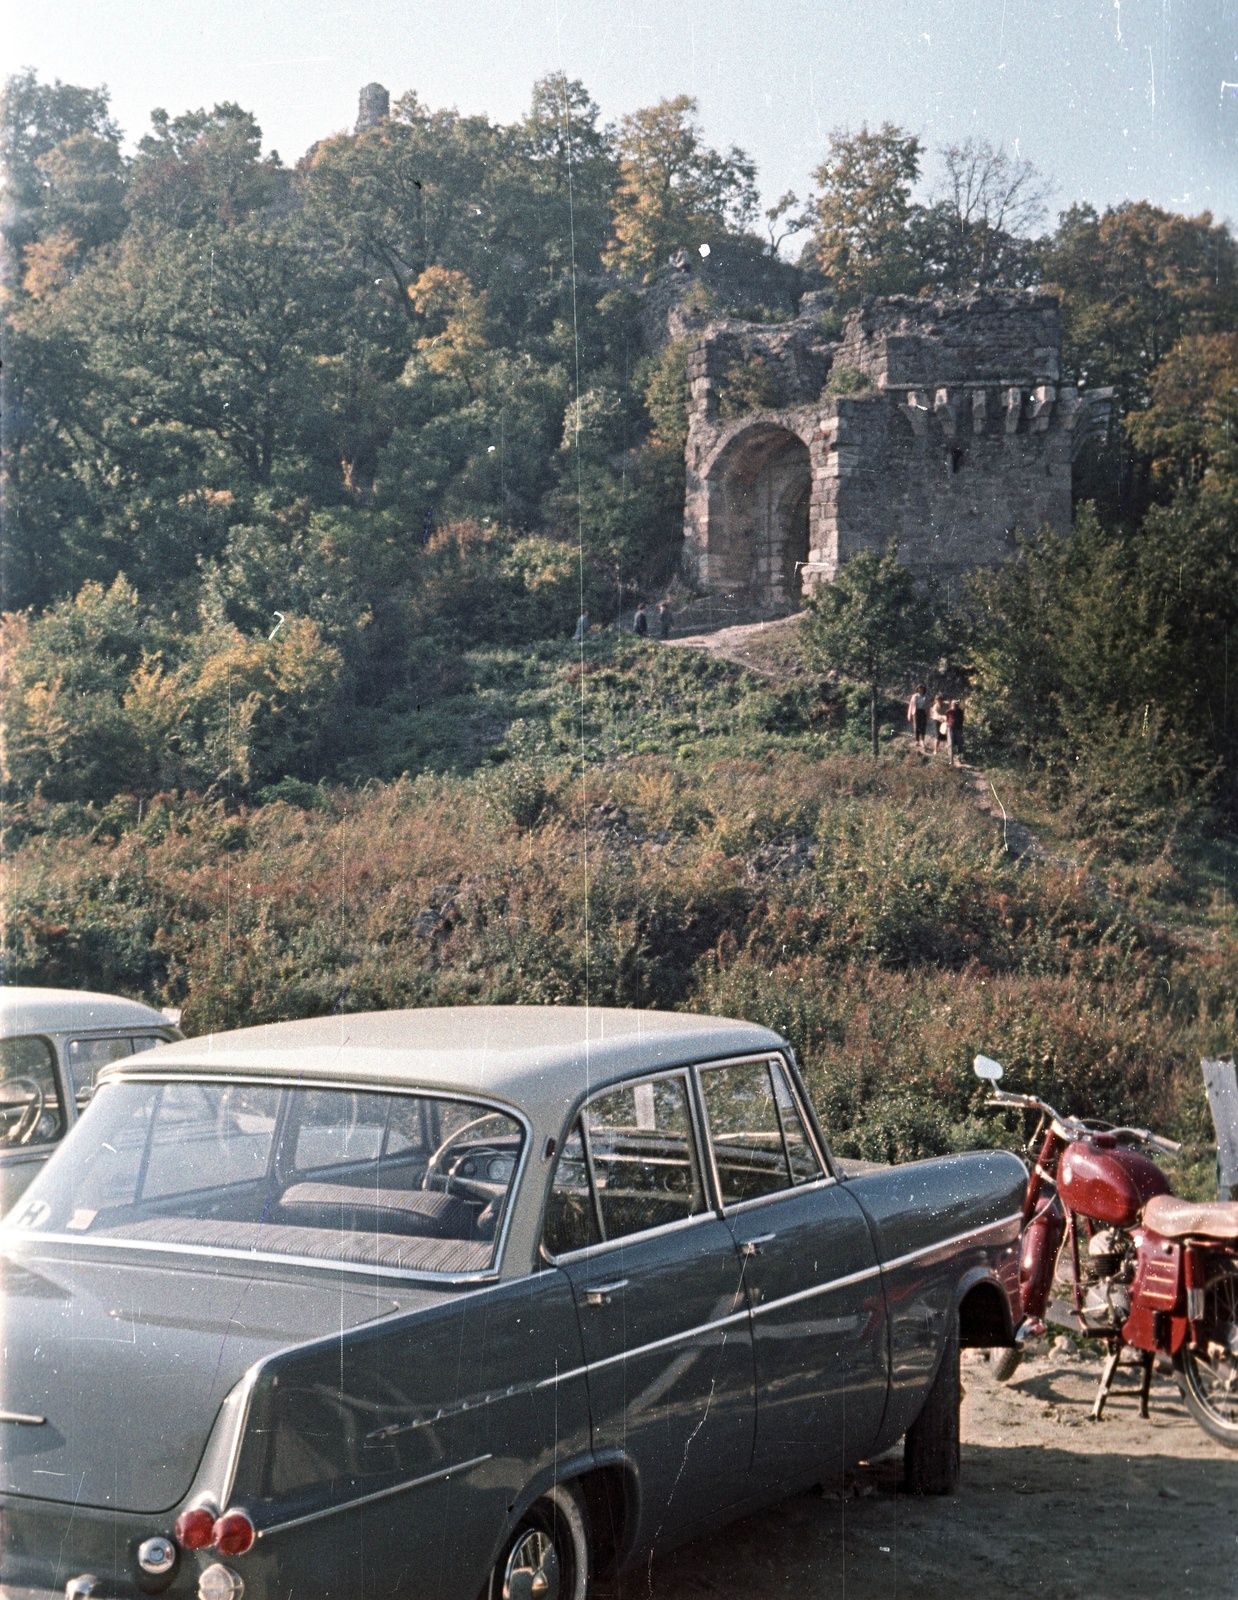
(128, 1363)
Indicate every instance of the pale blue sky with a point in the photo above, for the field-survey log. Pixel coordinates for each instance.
(1112, 99)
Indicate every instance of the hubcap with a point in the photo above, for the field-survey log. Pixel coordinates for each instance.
(532, 1571)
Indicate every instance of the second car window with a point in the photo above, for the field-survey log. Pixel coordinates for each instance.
(640, 1148)
(749, 1151)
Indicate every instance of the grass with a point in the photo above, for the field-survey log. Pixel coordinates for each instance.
(657, 828)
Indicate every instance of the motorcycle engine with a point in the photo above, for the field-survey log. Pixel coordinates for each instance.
(1108, 1269)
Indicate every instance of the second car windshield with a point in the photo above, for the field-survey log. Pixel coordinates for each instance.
(409, 1182)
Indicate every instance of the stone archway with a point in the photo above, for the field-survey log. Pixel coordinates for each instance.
(758, 488)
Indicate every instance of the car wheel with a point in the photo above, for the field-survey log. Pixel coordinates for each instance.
(931, 1448)
(546, 1556)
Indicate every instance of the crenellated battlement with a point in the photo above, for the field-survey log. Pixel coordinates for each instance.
(943, 424)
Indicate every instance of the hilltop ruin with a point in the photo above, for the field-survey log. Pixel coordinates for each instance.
(941, 423)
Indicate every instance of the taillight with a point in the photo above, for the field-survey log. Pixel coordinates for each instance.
(233, 1533)
(195, 1528)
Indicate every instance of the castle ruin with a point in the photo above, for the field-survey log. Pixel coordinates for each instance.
(943, 424)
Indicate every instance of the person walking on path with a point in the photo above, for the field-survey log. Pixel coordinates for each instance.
(664, 620)
(917, 713)
(954, 733)
(640, 622)
(582, 628)
(937, 716)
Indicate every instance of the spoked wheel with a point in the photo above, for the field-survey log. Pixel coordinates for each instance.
(1208, 1373)
(547, 1555)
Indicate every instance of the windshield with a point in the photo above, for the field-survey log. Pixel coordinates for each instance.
(401, 1182)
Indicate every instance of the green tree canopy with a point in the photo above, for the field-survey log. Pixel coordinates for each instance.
(674, 189)
(871, 622)
(860, 236)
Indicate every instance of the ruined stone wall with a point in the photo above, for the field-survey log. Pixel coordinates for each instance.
(960, 436)
(953, 482)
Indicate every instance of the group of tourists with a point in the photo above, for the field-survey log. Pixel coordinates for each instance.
(640, 622)
(942, 722)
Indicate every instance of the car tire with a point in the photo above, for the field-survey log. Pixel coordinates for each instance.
(546, 1555)
(931, 1447)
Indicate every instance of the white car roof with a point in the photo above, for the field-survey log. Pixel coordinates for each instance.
(31, 1010)
(540, 1058)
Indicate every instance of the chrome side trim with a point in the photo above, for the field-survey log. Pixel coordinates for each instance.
(24, 1418)
(1015, 1217)
(586, 1252)
(815, 1289)
(11, 1237)
(644, 1349)
(369, 1499)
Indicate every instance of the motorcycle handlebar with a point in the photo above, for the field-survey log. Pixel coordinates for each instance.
(1031, 1102)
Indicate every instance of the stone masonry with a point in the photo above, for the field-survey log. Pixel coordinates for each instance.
(943, 424)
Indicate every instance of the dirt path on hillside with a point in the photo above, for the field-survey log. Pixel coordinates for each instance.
(769, 648)
(764, 647)
(1051, 1504)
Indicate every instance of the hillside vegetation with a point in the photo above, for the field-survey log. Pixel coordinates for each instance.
(309, 470)
(665, 830)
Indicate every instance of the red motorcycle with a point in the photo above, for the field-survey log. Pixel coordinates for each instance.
(1144, 1269)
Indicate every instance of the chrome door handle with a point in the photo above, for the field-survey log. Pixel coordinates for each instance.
(752, 1247)
(601, 1295)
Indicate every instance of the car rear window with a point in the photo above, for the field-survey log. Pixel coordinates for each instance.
(88, 1057)
(405, 1182)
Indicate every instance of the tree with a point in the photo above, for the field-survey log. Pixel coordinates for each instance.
(1190, 425)
(674, 190)
(405, 195)
(204, 166)
(860, 232)
(1132, 282)
(34, 118)
(976, 232)
(871, 621)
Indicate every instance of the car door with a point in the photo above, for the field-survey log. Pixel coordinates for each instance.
(32, 1112)
(658, 1291)
(810, 1271)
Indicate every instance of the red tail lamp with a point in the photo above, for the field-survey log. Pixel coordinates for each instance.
(233, 1533)
(195, 1528)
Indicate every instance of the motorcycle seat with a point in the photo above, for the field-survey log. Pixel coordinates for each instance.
(1180, 1219)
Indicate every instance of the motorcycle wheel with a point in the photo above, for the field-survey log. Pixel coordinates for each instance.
(1006, 1363)
(1208, 1377)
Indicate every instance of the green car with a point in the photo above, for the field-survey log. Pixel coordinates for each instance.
(461, 1302)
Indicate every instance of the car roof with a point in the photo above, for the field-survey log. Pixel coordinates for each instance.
(31, 1010)
(540, 1058)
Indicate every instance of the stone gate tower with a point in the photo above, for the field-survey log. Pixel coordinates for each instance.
(943, 424)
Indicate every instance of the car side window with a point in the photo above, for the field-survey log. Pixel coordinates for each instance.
(571, 1216)
(630, 1165)
(30, 1110)
(745, 1131)
(88, 1057)
(805, 1163)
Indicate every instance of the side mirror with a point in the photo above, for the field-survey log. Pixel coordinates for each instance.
(986, 1067)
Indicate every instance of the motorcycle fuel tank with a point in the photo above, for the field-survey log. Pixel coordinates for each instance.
(1105, 1181)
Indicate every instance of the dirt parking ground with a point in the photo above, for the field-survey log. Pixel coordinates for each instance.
(1051, 1503)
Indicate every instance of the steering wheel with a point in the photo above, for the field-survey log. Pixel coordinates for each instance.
(23, 1129)
(433, 1166)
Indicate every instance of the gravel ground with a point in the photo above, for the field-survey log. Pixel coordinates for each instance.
(1051, 1503)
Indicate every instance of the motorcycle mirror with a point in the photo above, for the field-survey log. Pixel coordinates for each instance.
(986, 1067)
